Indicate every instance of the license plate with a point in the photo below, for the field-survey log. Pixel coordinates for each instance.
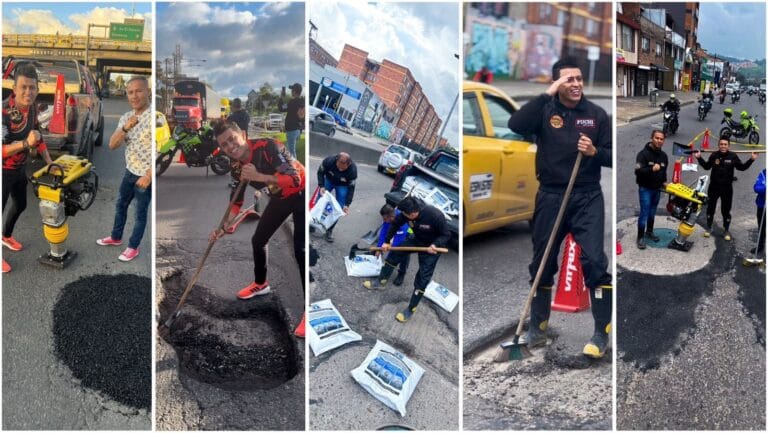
(391, 170)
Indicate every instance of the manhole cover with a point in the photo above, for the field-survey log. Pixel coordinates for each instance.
(234, 345)
(102, 331)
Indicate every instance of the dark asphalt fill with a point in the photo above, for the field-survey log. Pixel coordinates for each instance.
(751, 282)
(234, 345)
(102, 329)
(654, 310)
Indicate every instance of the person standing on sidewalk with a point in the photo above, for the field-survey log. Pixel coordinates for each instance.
(240, 116)
(722, 163)
(338, 173)
(650, 175)
(135, 130)
(21, 135)
(566, 123)
(294, 118)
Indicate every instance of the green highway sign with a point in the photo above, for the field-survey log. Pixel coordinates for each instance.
(126, 32)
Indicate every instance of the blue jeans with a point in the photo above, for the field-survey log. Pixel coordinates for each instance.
(291, 137)
(129, 191)
(341, 196)
(649, 201)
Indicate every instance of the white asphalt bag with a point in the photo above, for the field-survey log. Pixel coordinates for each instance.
(327, 329)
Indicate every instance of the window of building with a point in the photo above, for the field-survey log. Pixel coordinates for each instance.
(627, 39)
(658, 49)
(545, 11)
(646, 45)
(591, 28)
(561, 18)
(578, 22)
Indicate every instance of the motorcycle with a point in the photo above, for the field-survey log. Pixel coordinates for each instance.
(704, 106)
(670, 122)
(734, 128)
(198, 147)
(761, 97)
(735, 96)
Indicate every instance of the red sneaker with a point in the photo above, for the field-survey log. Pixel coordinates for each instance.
(109, 241)
(12, 243)
(254, 289)
(6, 267)
(129, 254)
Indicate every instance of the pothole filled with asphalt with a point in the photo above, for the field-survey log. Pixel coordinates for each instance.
(234, 345)
(102, 331)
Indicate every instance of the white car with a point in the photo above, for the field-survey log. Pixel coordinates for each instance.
(396, 156)
(276, 121)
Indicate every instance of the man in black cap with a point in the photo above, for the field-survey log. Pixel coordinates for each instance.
(294, 119)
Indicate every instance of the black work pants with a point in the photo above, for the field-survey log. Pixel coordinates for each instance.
(274, 215)
(725, 194)
(15, 187)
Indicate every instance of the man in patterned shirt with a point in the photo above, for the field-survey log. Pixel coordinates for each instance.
(135, 130)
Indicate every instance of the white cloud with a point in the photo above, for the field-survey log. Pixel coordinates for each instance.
(45, 22)
(231, 16)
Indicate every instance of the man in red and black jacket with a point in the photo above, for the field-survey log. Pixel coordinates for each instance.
(265, 163)
(21, 135)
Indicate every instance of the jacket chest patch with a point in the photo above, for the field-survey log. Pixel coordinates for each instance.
(589, 123)
(425, 227)
(556, 121)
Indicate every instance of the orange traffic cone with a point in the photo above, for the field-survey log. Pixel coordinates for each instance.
(618, 248)
(181, 158)
(571, 295)
(705, 140)
(677, 172)
(300, 331)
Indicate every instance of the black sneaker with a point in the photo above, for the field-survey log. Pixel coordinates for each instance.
(641, 244)
(652, 236)
(329, 237)
(399, 279)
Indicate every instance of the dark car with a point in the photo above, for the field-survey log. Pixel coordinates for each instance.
(83, 118)
(436, 182)
(320, 121)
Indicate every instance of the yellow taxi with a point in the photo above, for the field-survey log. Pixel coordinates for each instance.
(499, 180)
(162, 131)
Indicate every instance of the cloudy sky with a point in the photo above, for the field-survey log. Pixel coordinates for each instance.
(421, 36)
(243, 44)
(734, 29)
(71, 18)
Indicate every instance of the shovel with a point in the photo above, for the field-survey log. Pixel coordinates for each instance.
(354, 249)
(754, 260)
(164, 329)
(372, 235)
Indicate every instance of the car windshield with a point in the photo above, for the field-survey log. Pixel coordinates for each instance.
(184, 102)
(48, 74)
(275, 116)
(399, 150)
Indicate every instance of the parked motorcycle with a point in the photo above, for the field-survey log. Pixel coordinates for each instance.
(734, 128)
(198, 147)
(704, 106)
(670, 122)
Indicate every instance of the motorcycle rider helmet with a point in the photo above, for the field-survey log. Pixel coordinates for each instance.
(671, 96)
(744, 114)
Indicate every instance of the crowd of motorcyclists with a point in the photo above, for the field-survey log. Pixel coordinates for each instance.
(743, 127)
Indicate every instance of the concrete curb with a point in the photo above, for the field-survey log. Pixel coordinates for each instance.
(649, 114)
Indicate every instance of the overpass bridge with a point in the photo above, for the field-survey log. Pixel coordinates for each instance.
(105, 56)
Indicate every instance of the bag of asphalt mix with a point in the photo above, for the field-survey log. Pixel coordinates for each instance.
(441, 296)
(389, 376)
(326, 212)
(327, 329)
(363, 265)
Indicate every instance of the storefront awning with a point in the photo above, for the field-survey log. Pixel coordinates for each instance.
(660, 68)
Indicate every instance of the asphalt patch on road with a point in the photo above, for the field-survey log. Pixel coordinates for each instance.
(751, 282)
(234, 345)
(102, 331)
(653, 311)
(562, 356)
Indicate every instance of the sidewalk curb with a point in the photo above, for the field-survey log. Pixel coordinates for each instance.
(649, 114)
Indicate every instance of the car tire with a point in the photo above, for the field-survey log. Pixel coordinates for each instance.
(380, 168)
(331, 132)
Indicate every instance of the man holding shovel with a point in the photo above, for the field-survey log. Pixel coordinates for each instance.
(429, 230)
(566, 123)
(265, 163)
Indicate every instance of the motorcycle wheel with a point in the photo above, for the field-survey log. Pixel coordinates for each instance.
(673, 128)
(220, 165)
(754, 137)
(665, 129)
(725, 131)
(163, 162)
(701, 115)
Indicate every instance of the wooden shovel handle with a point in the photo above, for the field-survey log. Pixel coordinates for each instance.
(411, 249)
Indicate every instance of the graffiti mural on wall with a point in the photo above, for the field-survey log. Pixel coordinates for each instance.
(542, 51)
(496, 44)
(384, 130)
